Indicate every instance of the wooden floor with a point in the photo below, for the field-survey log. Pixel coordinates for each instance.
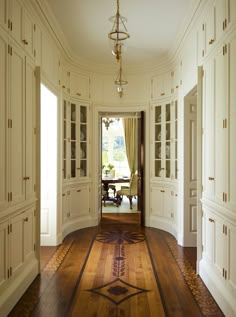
(117, 269)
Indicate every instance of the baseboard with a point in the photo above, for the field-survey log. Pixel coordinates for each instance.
(221, 294)
(17, 288)
(79, 223)
(163, 224)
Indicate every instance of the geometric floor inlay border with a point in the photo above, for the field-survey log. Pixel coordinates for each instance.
(199, 290)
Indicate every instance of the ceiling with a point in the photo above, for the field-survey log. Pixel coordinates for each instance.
(153, 25)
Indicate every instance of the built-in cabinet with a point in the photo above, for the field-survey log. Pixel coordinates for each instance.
(164, 172)
(218, 264)
(75, 140)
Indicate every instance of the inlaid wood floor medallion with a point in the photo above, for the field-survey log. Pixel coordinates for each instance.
(118, 278)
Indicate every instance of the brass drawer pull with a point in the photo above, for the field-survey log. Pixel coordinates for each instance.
(211, 178)
(26, 219)
(211, 220)
(79, 190)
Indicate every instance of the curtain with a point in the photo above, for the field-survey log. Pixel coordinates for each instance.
(131, 142)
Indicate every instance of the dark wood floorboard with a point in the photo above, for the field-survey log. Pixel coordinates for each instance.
(52, 292)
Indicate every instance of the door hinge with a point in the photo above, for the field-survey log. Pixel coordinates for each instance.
(203, 27)
(10, 123)
(10, 50)
(10, 196)
(224, 123)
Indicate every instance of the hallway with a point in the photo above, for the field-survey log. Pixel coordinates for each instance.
(134, 271)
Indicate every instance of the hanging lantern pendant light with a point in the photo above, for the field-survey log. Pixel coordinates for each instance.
(119, 31)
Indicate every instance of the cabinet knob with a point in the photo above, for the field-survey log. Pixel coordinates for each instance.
(79, 190)
(163, 94)
(26, 219)
(78, 94)
(26, 178)
(211, 220)
(211, 41)
(162, 191)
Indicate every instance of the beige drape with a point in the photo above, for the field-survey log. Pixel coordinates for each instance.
(131, 142)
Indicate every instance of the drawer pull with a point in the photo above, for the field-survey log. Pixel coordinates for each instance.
(78, 94)
(211, 178)
(79, 190)
(26, 178)
(163, 94)
(211, 220)
(26, 219)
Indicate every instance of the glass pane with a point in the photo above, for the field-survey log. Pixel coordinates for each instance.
(73, 168)
(168, 112)
(176, 109)
(158, 114)
(83, 132)
(157, 132)
(176, 169)
(168, 150)
(168, 131)
(73, 150)
(83, 114)
(83, 168)
(64, 109)
(73, 131)
(157, 150)
(73, 112)
(168, 169)
(157, 168)
(64, 149)
(64, 169)
(83, 150)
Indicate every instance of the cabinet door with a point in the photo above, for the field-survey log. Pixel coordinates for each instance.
(210, 29)
(29, 234)
(37, 44)
(220, 131)
(30, 136)
(79, 201)
(220, 249)
(231, 127)
(3, 254)
(3, 123)
(28, 33)
(74, 141)
(209, 236)
(167, 202)
(66, 138)
(157, 201)
(65, 79)
(231, 231)
(158, 146)
(16, 237)
(66, 205)
(17, 114)
(83, 139)
(15, 12)
(3, 13)
(208, 131)
(79, 86)
(166, 137)
(201, 37)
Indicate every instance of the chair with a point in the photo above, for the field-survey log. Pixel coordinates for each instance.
(130, 192)
(104, 197)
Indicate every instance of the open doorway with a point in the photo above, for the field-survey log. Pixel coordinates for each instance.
(120, 164)
(48, 167)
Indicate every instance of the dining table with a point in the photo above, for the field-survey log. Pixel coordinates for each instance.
(107, 180)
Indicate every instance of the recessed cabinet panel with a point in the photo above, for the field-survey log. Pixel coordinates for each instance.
(3, 123)
(3, 13)
(16, 243)
(79, 201)
(28, 33)
(17, 132)
(79, 86)
(29, 234)
(220, 131)
(208, 130)
(16, 12)
(30, 135)
(3, 254)
(232, 124)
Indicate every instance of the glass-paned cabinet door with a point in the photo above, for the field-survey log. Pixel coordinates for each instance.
(83, 127)
(167, 140)
(176, 139)
(65, 139)
(158, 146)
(73, 140)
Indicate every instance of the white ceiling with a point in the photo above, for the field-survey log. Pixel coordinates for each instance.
(153, 26)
